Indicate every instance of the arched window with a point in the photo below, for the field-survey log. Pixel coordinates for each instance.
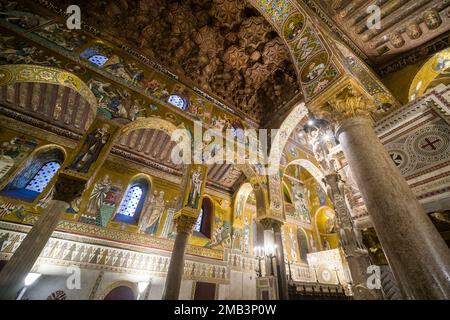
(203, 224)
(43, 176)
(132, 202)
(177, 101)
(35, 175)
(302, 243)
(198, 223)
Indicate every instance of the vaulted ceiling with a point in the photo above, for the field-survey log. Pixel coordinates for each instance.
(56, 105)
(224, 47)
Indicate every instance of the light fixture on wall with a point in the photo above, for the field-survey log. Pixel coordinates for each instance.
(259, 255)
(270, 253)
(327, 137)
(142, 285)
(29, 280)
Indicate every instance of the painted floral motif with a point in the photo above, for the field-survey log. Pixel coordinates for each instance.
(17, 52)
(7, 208)
(60, 35)
(278, 10)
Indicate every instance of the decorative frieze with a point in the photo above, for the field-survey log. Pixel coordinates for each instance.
(62, 252)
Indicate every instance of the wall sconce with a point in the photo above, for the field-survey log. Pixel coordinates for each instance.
(259, 255)
(142, 285)
(29, 280)
(270, 253)
(289, 275)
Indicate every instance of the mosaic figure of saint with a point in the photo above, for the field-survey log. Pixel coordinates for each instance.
(98, 195)
(145, 217)
(91, 149)
(292, 244)
(195, 189)
(240, 206)
(157, 211)
(246, 238)
(300, 205)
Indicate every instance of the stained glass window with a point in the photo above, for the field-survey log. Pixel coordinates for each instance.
(198, 223)
(96, 54)
(131, 201)
(43, 176)
(98, 59)
(177, 101)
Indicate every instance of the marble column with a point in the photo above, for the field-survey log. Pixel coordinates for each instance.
(356, 254)
(184, 225)
(416, 252)
(22, 261)
(13, 274)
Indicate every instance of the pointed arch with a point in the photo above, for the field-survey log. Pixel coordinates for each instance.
(133, 200)
(303, 244)
(315, 172)
(204, 221)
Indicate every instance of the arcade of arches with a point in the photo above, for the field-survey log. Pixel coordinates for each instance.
(353, 202)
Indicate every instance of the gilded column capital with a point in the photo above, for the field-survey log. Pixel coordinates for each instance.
(345, 100)
(270, 223)
(347, 104)
(185, 223)
(68, 188)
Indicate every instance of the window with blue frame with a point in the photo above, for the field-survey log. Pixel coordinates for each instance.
(233, 131)
(132, 203)
(35, 175)
(96, 55)
(43, 177)
(177, 101)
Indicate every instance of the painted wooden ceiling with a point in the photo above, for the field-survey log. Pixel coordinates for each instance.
(405, 25)
(63, 108)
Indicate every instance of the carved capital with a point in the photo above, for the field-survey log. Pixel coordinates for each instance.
(347, 104)
(269, 223)
(346, 101)
(185, 223)
(68, 188)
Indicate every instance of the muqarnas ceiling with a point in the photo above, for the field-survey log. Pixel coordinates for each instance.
(224, 47)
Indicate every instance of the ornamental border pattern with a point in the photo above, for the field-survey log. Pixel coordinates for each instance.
(435, 100)
(67, 253)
